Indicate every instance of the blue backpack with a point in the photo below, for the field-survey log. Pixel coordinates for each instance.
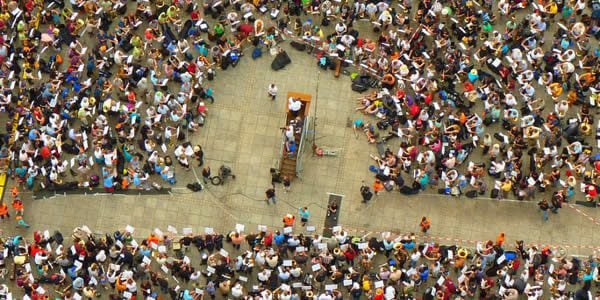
(256, 53)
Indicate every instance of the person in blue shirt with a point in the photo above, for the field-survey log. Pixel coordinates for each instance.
(279, 238)
(108, 180)
(34, 134)
(424, 273)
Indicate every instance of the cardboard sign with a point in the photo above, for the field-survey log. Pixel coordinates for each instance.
(224, 252)
(330, 287)
(240, 228)
(322, 246)
(379, 284)
(146, 260)
(310, 228)
(300, 249)
(129, 229)
(187, 231)
(362, 246)
(287, 230)
(441, 280)
(164, 269)
(347, 282)
(285, 287)
(209, 230)
(316, 267)
(262, 228)
(210, 269)
(337, 228)
(287, 263)
(243, 279)
(172, 229)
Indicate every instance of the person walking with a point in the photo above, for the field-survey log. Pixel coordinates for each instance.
(425, 225)
(270, 193)
(304, 215)
(365, 192)
(543, 205)
(272, 91)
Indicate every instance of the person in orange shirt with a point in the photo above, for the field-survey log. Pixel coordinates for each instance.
(153, 239)
(425, 225)
(15, 192)
(4, 211)
(18, 206)
(288, 220)
(378, 186)
(500, 239)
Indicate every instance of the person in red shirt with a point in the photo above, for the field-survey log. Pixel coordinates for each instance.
(350, 254)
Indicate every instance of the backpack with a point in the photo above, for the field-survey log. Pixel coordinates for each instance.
(256, 53)
(58, 59)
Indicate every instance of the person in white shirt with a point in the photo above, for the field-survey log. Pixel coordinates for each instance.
(237, 291)
(294, 106)
(272, 91)
(390, 293)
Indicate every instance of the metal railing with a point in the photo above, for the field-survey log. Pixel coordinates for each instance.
(302, 147)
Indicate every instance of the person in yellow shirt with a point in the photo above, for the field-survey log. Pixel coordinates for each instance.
(551, 9)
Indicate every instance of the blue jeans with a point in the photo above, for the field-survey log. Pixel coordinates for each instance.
(272, 199)
(545, 214)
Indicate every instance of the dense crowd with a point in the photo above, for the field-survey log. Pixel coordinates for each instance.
(108, 92)
(279, 264)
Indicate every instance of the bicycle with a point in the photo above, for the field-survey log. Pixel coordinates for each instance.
(224, 173)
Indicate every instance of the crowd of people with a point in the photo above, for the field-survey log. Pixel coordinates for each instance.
(495, 99)
(108, 92)
(279, 264)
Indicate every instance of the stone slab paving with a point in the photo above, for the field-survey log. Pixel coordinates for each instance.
(243, 131)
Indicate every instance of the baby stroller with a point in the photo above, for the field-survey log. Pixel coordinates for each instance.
(224, 172)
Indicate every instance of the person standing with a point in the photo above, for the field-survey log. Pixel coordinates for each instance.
(272, 91)
(366, 193)
(4, 211)
(270, 193)
(425, 225)
(287, 184)
(378, 186)
(206, 174)
(543, 205)
(288, 220)
(304, 215)
(199, 154)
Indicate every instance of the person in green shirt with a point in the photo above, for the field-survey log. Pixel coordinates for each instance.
(136, 41)
(567, 11)
(219, 30)
(163, 18)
